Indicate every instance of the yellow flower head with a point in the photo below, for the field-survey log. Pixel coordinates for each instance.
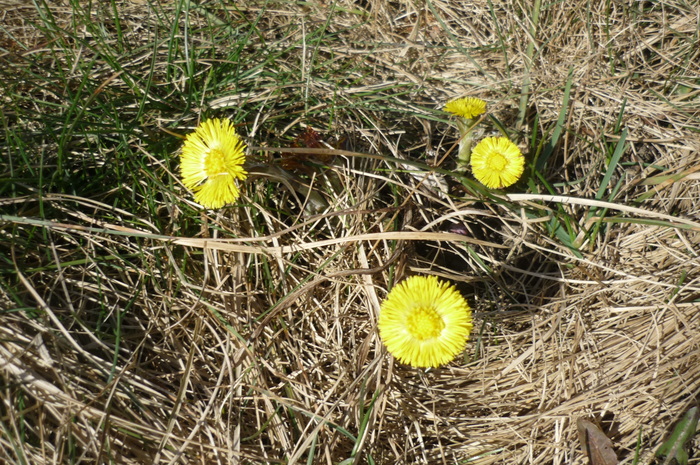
(424, 322)
(467, 107)
(497, 162)
(211, 161)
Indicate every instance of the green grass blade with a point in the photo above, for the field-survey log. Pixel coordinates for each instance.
(541, 162)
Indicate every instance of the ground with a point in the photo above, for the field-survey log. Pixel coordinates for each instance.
(139, 327)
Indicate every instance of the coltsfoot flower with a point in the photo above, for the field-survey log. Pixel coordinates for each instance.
(212, 161)
(467, 107)
(424, 322)
(497, 162)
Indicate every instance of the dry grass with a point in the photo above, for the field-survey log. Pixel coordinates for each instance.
(138, 328)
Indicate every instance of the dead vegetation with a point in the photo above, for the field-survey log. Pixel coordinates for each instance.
(138, 328)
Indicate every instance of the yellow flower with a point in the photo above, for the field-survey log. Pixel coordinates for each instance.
(467, 107)
(497, 162)
(211, 161)
(424, 322)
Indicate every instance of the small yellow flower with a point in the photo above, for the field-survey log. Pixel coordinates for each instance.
(497, 162)
(467, 107)
(424, 322)
(211, 161)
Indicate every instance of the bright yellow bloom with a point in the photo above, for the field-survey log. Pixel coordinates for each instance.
(424, 322)
(467, 107)
(211, 161)
(497, 162)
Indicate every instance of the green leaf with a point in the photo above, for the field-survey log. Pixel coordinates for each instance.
(674, 447)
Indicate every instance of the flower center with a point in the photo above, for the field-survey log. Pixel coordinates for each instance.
(215, 163)
(497, 162)
(424, 323)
